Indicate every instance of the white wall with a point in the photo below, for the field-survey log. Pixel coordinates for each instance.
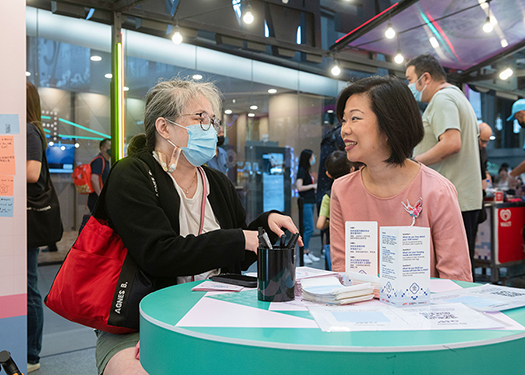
(13, 304)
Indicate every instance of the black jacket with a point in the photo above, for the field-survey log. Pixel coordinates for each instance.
(149, 224)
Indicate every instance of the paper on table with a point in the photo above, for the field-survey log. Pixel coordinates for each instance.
(208, 285)
(210, 312)
(486, 297)
(389, 318)
(300, 304)
(330, 290)
(443, 285)
(304, 272)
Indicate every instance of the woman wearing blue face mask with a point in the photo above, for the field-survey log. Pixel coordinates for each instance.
(191, 225)
(307, 186)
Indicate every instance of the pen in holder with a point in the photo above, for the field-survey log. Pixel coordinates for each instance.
(275, 270)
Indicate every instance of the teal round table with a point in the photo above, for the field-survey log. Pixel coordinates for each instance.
(168, 348)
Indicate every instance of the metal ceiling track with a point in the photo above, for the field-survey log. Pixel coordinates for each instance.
(371, 24)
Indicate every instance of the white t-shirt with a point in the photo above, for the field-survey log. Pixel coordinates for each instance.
(190, 220)
(450, 109)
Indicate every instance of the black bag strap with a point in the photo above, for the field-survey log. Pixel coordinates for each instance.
(47, 175)
(99, 211)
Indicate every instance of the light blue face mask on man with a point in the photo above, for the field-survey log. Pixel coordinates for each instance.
(417, 94)
(202, 144)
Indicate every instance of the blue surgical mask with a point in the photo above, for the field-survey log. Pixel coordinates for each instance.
(312, 161)
(417, 94)
(201, 146)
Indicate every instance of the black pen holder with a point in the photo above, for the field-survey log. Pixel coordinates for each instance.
(276, 274)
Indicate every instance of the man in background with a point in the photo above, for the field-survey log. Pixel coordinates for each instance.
(485, 132)
(220, 160)
(518, 113)
(99, 171)
(450, 144)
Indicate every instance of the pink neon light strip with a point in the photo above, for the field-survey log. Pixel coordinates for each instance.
(443, 34)
(367, 22)
(14, 305)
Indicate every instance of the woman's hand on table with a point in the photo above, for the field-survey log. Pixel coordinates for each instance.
(278, 221)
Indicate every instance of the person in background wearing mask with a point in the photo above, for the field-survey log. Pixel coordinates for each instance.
(485, 133)
(220, 159)
(450, 143)
(306, 186)
(518, 113)
(189, 224)
(99, 171)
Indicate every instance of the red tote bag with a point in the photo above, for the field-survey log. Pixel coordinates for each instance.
(99, 284)
(85, 286)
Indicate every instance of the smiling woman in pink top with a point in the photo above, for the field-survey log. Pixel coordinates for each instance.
(381, 126)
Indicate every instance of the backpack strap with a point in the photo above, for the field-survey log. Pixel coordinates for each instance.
(103, 167)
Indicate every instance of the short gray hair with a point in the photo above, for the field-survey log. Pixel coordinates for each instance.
(168, 99)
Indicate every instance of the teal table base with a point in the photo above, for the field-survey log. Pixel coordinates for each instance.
(167, 349)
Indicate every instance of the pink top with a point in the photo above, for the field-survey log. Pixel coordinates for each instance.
(449, 255)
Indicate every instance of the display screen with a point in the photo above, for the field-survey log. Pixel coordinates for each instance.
(60, 158)
(273, 182)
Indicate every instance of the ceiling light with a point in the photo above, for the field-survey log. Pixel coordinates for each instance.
(197, 77)
(95, 58)
(251, 114)
(398, 59)
(63, 148)
(504, 42)
(487, 26)
(177, 37)
(77, 145)
(434, 42)
(336, 70)
(507, 73)
(272, 91)
(390, 32)
(254, 107)
(228, 112)
(108, 75)
(28, 74)
(125, 88)
(492, 137)
(483, 4)
(330, 111)
(248, 16)
(51, 144)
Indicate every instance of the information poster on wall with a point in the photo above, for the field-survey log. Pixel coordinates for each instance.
(7, 155)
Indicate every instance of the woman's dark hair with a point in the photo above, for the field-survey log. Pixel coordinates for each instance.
(136, 144)
(33, 109)
(304, 159)
(397, 113)
(337, 164)
(428, 64)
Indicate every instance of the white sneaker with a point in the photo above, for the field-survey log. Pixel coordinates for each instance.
(32, 367)
(313, 257)
(306, 259)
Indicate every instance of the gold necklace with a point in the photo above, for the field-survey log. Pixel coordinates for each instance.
(187, 191)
